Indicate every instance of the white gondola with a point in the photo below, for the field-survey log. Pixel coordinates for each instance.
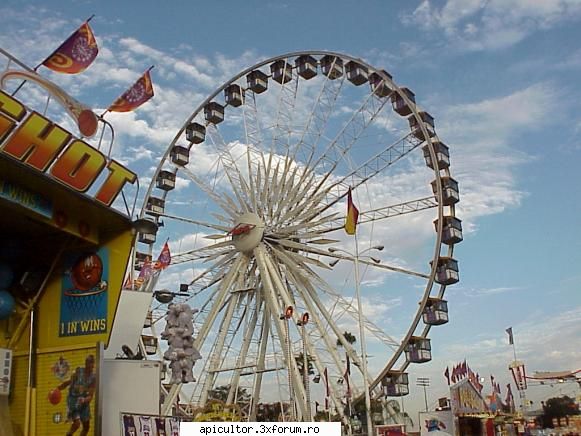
(450, 193)
(356, 73)
(180, 155)
(147, 238)
(427, 121)
(155, 205)
(442, 155)
(148, 319)
(234, 95)
(332, 66)
(447, 271)
(140, 259)
(378, 85)
(195, 133)
(214, 112)
(150, 343)
(281, 71)
(451, 230)
(257, 81)
(166, 180)
(306, 66)
(435, 312)
(395, 384)
(418, 350)
(399, 104)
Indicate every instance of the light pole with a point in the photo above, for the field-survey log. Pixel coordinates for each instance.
(288, 313)
(361, 329)
(302, 323)
(424, 382)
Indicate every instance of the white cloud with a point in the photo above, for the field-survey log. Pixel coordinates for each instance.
(484, 148)
(494, 24)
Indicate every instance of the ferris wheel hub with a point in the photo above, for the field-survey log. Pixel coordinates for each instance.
(247, 232)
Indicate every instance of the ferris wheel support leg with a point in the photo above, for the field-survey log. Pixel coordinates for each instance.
(348, 348)
(219, 348)
(260, 364)
(248, 333)
(270, 297)
(239, 264)
(287, 299)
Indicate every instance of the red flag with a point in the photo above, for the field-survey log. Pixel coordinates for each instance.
(139, 93)
(352, 215)
(447, 375)
(164, 258)
(347, 375)
(145, 273)
(76, 53)
(510, 338)
(326, 375)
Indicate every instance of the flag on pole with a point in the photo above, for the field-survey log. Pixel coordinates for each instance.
(76, 53)
(352, 215)
(145, 272)
(447, 375)
(510, 338)
(347, 376)
(164, 258)
(139, 93)
(327, 390)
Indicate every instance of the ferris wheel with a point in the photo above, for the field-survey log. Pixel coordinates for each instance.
(253, 191)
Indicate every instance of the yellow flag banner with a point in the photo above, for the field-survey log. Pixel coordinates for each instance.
(352, 215)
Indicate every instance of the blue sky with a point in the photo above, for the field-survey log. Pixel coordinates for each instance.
(501, 78)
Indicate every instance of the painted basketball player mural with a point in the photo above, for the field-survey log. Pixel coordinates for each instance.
(81, 386)
(84, 295)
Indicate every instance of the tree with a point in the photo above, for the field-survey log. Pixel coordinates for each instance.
(301, 364)
(221, 393)
(348, 337)
(558, 407)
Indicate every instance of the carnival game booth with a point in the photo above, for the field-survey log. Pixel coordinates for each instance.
(64, 249)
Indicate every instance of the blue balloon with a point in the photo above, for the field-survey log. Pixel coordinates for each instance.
(6, 275)
(7, 304)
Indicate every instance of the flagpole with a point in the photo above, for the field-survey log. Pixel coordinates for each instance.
(521, 392)
(362, 341)
(53, 52)
(140, 77)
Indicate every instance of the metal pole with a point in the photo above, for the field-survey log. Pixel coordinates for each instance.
(306, 374)
(362, 341)
(424, 382)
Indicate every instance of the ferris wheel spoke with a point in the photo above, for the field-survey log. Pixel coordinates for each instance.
(252, 127)
(285, 111)
(209, 251)
(361, 119)
(260, 362)
(381, 266)
(210, 193)
(343, 303)
(216, 355)
(246, 341)
(369, 169)
(251, 181)
(192, 221)
(233, 174)
(381, 213)
(318, 118)
(270, 284)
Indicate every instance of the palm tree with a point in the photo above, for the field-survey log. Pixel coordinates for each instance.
(221, 393)
(348, 337)
(301, 364)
